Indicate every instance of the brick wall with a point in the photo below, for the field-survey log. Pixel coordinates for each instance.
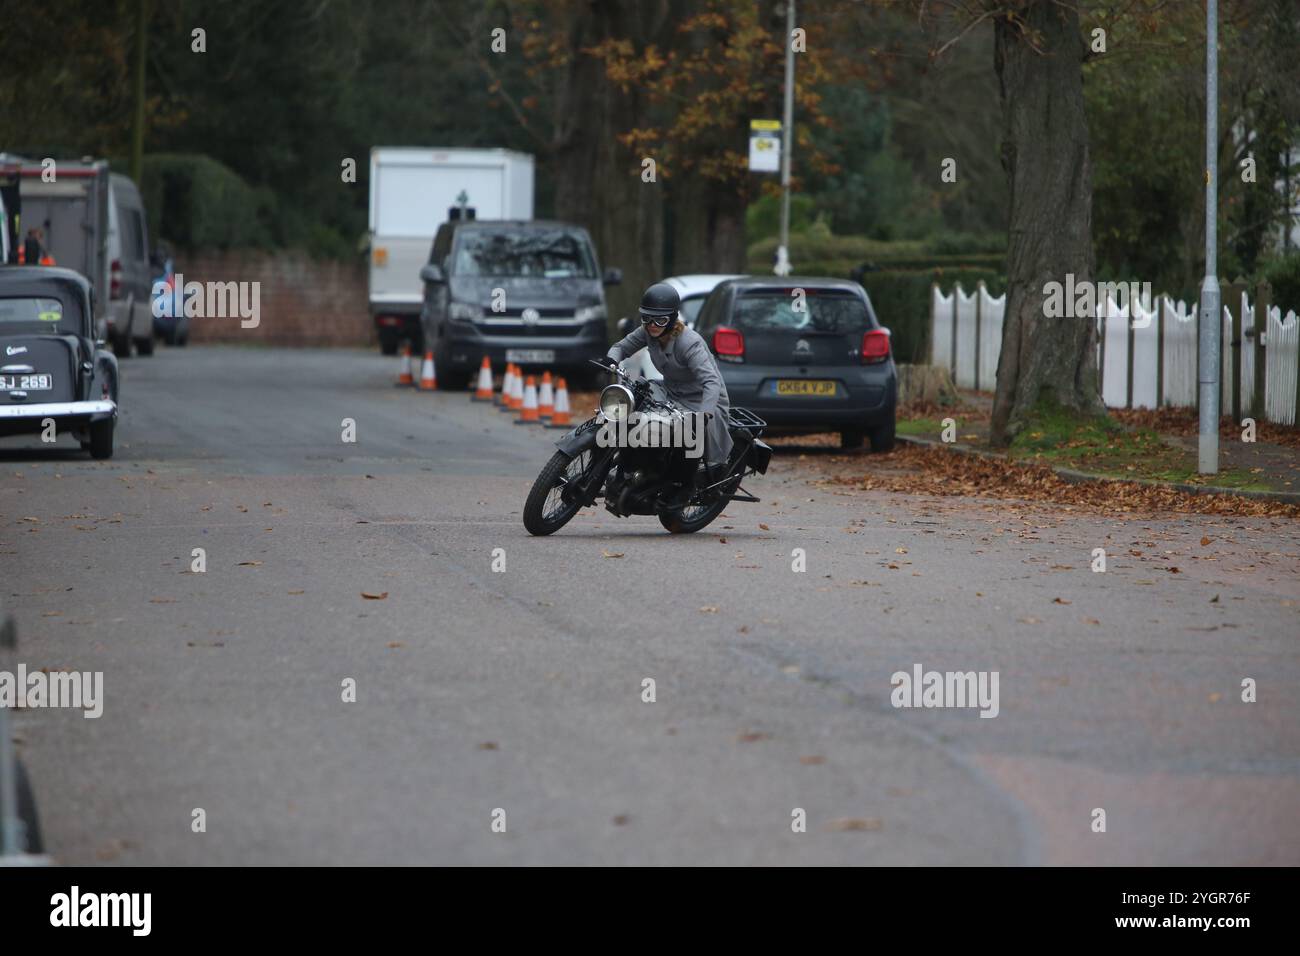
(304, 302)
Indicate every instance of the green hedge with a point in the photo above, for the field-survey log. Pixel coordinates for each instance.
(1283, 274)
(195, 202)
(901, 299)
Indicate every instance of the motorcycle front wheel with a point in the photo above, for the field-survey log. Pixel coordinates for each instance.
(545, 511)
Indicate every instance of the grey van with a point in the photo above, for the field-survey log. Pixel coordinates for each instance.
(130, 273)
(528, 292)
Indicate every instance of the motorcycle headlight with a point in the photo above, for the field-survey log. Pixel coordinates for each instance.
(617, 402)
(590, 313)
(463, 310)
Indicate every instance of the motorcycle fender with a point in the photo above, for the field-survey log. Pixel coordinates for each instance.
(580, 439)
(759, 456)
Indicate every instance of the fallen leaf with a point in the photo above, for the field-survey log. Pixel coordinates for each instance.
(1060, 601)
(395, 644)
(249, 564)
(812, 760)
(1215, 697)
(488, 745)
(854, 823)
(374, 597)
(1204, 542)
(708, 609)
(752, 737)
(1030, 620)
(763, 527)
(620, 820)
(611, 554)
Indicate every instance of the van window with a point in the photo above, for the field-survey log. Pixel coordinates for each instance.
(538, 253)
(823, 311)
(141, 245)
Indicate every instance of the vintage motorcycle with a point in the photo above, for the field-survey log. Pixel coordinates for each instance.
(648, 475)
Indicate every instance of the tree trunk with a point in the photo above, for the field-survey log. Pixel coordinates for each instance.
(1045, 154)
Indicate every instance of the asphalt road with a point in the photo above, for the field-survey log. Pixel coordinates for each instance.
(522, 690)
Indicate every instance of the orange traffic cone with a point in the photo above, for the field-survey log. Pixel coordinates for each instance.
(517, 390)
(428, 374)
(546, 397)
(528, 410)
(560, 417)
(508, 388)
(483, 392)
(404, 371)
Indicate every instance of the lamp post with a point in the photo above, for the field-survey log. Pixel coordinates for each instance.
(1211, 318)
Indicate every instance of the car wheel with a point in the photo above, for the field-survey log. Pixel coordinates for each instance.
(170, 338)
(387, 345)
(122, 346)
(144, 346)
(183, 340)
(851, 438)
(101, 439)
(27, 811)
(882, 438)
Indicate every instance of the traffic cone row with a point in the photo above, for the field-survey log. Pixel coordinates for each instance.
(544, 403)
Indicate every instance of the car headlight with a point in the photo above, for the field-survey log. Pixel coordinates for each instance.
(463, 310)
(617, 402)
(590, 313)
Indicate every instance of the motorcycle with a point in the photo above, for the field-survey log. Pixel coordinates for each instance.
(640, 476)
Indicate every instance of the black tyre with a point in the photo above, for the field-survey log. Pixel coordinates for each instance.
(851, 438)
(545, 511)
(693, 517)
(183, 340)
(101, 439)
(122, 346)
(27, 811)
(388, 343)
(170, 338)
(454, 381)
(882, 438)
(144, 346)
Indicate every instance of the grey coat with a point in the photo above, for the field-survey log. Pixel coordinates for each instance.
(691, 379)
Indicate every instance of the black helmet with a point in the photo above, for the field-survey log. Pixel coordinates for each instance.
(660, 301)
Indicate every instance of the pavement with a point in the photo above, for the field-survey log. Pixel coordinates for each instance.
(521, 697)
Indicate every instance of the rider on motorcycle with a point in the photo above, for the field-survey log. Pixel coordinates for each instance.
(691, 376)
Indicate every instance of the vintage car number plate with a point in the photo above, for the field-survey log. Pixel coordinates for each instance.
(530, 355)
(26, 383)
(812, 387)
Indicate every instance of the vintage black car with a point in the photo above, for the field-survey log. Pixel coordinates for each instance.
(52, 371)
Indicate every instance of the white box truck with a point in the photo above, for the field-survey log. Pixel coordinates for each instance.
(413, 191)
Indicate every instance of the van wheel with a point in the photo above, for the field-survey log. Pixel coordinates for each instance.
(27, 811)
(122, 346)
(101, 439)
(144, 346)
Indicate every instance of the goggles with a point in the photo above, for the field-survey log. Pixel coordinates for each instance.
(658, 321)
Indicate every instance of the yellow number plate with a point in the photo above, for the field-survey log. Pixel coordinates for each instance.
(796, 386)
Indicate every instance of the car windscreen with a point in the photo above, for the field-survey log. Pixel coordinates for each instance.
(36, 315)
(536, 253)
(812, 311)
(690, 308)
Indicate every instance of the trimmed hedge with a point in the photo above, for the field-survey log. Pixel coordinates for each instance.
(195, 202)
(1283, 274)
(901, 299)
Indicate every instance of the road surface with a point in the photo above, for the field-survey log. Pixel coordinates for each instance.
(518, 696)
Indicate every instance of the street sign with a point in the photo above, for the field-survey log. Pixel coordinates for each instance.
(765, 146)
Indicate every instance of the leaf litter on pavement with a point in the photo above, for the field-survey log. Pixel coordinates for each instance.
(933, 471)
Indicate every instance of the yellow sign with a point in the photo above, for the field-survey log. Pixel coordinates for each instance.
(765, 125)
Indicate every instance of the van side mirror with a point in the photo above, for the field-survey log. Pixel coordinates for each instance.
(613, 277)
(433, 273)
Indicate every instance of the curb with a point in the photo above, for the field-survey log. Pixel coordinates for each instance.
(1079, 477)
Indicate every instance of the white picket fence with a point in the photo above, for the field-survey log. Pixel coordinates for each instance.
(966, 336)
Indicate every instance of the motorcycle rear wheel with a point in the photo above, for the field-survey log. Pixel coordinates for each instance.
(690, 519)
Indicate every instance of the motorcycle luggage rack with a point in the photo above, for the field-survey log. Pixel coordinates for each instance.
(744, 418)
